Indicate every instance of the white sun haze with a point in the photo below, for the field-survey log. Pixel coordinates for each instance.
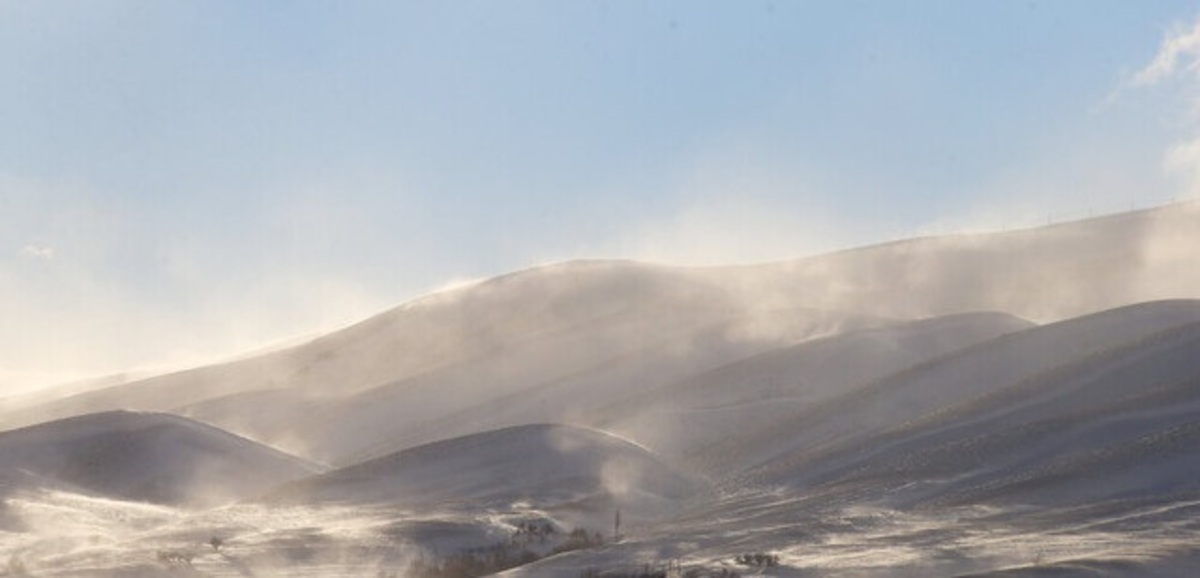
(117, 289)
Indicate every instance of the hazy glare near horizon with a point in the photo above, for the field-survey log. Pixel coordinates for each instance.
(188, 180)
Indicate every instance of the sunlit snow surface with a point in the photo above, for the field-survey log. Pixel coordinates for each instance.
(62, 534)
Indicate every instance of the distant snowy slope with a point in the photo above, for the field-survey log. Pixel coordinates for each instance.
(543, 466)
(560, 377)
(812, 444)
(144, 457)
(583, 328)
(420, 336)
(683, 419)
(1121, 424)
(491, 338)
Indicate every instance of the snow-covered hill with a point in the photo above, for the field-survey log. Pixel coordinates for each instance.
(934, 406)
(158, 458)
(574, 472)
(588, 323)
(1054, 449)
(1122, 423)
(587, 326)
(784, 450)
(690, 420)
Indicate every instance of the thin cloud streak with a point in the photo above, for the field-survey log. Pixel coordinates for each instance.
(1177, 62)
(1179, 52)
(34, 251)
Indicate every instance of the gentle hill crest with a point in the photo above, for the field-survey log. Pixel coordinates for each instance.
(581, 471)
(151, 457)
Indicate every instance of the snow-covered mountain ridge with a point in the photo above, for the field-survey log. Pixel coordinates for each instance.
(921, 405)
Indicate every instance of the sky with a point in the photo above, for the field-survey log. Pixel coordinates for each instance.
(189, 180)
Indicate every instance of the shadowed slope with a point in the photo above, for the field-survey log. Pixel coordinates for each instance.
(145, 457)
(1105, 404)
(1121, 424)
(543, 466)
(682, 420)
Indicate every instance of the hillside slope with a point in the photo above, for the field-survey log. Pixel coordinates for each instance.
(559, 378)
(589, 325)
(1017, 369)
(492, 338)
(147, 457)
(684, 419)
(555, 468)
(1121, 424)
(1067, 449)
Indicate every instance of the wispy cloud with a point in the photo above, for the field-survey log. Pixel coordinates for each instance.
(1176, 65)
(33, 251)
(1178, 54)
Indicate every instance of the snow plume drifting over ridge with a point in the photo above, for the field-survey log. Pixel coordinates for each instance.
(554, 343)
(1044, 274)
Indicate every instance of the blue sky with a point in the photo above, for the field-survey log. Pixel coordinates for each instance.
(185, 180)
